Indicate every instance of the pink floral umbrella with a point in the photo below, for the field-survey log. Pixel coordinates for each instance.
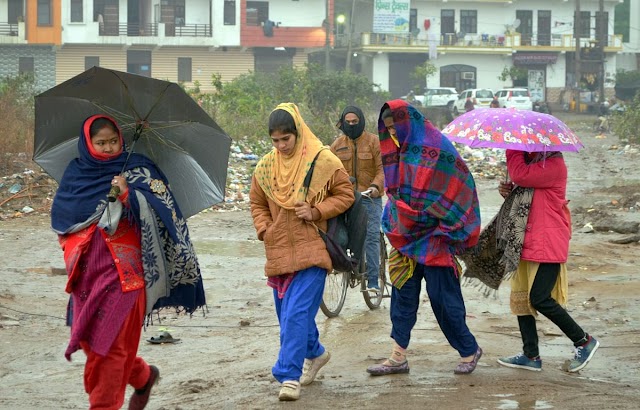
(509, 128)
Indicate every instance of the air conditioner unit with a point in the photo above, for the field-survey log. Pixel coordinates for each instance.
(469, 75)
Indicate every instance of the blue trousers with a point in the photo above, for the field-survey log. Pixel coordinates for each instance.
(299, 336)
(372, 243)
(445, 295)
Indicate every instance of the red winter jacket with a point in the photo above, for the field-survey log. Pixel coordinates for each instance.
(548, 229)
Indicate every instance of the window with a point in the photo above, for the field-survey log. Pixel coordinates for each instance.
(413, 21)
(469, 21)
(15, 11)
(91, 61)
(184, 69)
(585, 25)
(76, 11)
(229, 12)
(44, 12)
(25, 65)
(257, 12)
(139, 62)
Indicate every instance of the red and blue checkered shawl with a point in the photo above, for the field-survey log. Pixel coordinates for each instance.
(432, 211)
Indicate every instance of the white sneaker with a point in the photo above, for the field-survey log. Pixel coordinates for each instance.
(311, 368)
(290, 390)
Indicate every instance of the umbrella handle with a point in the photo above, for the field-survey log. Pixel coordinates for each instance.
(113, 193)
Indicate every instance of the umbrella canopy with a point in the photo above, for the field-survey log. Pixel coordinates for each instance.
(177, 134)
(509, 128)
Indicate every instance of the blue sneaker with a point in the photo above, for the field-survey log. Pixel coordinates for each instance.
(583, 355)
(520, 361)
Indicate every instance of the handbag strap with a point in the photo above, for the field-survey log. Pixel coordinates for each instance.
(307, 178)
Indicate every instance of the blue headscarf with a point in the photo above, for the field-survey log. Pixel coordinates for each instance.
(87, 180)
(172, 273)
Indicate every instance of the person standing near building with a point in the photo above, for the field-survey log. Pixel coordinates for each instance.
(432, 213)
(359, 152)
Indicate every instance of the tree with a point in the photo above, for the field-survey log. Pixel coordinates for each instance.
(242, 106)
(513, 73)
(422, 73)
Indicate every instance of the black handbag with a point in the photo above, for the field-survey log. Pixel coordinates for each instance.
(345, 231)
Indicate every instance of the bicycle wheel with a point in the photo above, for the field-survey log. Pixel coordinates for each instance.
(335, 292)
(372, 299)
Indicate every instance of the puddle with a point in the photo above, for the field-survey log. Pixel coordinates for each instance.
(510, 404)
(220, 247)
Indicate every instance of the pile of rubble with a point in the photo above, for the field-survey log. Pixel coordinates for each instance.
(31, 191)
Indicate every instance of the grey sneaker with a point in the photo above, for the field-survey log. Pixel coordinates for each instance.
(520, 361)
(311, 368)
(583, 355)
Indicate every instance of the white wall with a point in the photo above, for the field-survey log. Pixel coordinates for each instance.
(225, 35)
(197, 11)
(302, 13)
(380, 70)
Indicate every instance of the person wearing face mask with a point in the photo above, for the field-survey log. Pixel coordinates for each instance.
(359, 152)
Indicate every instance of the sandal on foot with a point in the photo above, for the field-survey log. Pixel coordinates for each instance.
(468, 367)
(290, 390)
(394, 367)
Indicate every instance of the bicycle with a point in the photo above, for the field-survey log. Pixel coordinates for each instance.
(337, 282)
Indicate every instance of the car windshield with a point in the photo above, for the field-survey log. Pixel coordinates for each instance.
(520, 93)
(431, 92)
(484, 94)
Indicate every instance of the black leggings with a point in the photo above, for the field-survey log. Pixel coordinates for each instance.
(541, 300)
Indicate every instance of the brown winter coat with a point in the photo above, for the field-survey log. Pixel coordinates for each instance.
(369, 166)
(292, 244)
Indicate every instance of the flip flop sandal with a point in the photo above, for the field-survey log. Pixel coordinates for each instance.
(164, 337)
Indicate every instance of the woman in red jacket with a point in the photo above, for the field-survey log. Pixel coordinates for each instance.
(540, 282)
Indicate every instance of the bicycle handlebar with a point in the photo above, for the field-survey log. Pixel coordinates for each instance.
(366, 193)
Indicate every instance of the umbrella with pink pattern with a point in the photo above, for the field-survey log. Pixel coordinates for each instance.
(509, 128)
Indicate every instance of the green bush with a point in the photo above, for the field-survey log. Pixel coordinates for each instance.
(17, 119)
(242, 106)
(627, 124)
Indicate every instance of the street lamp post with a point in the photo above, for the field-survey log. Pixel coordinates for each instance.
(327, 32)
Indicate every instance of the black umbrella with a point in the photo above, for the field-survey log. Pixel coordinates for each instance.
(172, 130)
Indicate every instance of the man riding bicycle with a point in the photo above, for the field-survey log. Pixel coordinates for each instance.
(368, 173)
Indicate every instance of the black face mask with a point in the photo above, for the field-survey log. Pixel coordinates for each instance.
(352, 131)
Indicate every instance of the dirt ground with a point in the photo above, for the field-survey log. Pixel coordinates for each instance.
(224, 359)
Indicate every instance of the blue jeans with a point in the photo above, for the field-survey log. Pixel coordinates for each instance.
(299, 336)
(372, 242)
(445, 295)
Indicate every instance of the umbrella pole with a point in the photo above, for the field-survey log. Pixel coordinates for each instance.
(115, 191)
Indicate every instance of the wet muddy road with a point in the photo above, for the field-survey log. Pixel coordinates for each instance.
(224, 359)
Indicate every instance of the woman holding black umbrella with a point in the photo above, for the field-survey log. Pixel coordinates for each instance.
(125, 256)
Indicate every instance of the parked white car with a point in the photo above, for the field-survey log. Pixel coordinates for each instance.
(515, 98)
(480, 97)
(440, 97)
(433, 97)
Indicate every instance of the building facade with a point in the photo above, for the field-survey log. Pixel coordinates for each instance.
(185, 41)
(472, 42)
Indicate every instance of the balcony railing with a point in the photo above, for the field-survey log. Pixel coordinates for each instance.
(187, 30)
(129, 29)
(9, 29)
(516, 40)
(151, 30)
